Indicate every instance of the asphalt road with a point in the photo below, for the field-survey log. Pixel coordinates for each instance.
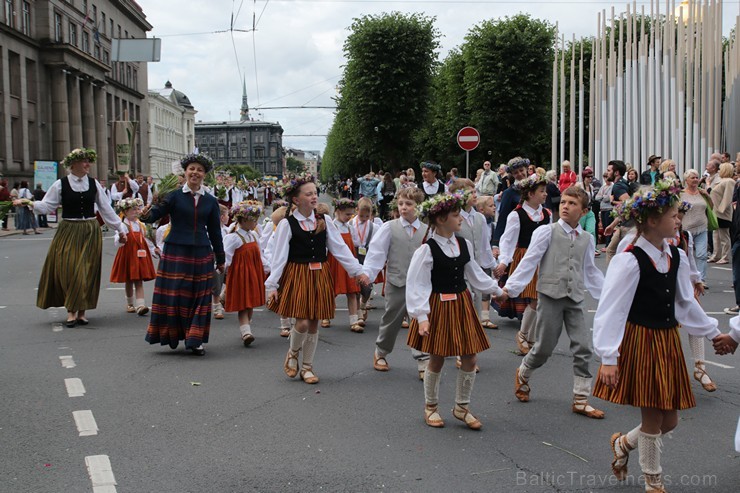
(232, 421)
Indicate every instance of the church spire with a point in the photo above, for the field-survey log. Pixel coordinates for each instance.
(245, 104)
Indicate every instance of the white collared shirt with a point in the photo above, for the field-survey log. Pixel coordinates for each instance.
(508, 241)
(431, 188)
(53, 199)
(620, 285)
(419, 277)
(377, 254)
(197, 194)
(483, 254)
(116, 195)
(334, 243)
(541, 238)
(695, 275)
(233, 241)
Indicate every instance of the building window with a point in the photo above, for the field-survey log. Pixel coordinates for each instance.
(96, 51)
(259, 139)
(95, 16)
(26, 20)
(106, 57)
(102, 22)
(135, 81)
(73, 34)
(58, 28)
(84, 6)
(119, 32)
(9, 8)
(110, 33)
(221, 153)
(128, 75)
(259, 153)
(85, 42)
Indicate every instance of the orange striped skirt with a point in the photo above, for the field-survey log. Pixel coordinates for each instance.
(514, 307)
(530, 291)
(245, 284)
(454, 328)
(305, 293)
(343, 283)
(652, 371)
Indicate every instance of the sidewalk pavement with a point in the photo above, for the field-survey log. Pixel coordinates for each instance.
(12, 231)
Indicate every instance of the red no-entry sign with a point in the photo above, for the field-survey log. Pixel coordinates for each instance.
(468, 138)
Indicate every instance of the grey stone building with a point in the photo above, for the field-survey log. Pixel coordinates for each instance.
(58, 87)
(256, 143)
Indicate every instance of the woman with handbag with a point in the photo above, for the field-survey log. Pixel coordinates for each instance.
(696, 221)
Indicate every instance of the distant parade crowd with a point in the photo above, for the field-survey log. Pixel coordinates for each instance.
(448, 255)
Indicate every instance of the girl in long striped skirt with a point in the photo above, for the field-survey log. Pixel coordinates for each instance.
(640, 349)
(520, 225)
(300, 284)
(444, 321)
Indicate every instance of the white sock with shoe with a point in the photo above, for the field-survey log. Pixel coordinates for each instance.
(245, 330)
(309, 349)
(649, 447)
(431, 387)
(296, 340)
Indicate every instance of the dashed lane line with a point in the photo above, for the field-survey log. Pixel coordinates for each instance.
(74, 387)
(727, 367)
(101, 473)
(85, 422)
(67, 361)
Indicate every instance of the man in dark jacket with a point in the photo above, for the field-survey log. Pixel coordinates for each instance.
(651, 174)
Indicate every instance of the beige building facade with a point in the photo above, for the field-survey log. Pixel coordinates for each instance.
(171, 128)
(59, 88)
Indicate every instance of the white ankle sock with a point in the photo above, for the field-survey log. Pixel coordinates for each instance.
(464, 387)
(431, 387)
(245, 329)
(649, 447)
(309, 349)
(140, 302)
(485, 315)
(129, 300)
(284, 323)
(353, 319)
(296, 340)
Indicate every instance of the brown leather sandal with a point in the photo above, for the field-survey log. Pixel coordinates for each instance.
(289, 369)
(581, 406)
(380, 363)
(699, 373)
(308, 376)
(521, 388)
(621, 450)
(463, 414)
(432, 417)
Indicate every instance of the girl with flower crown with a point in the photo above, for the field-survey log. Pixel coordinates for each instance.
(344, 209)
(71, 273)
(647, 293)
(444, 321)
(300, 285)
(520, 224)
(247, 267)
(133, 263)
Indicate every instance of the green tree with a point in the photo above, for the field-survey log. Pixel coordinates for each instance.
(294, 165)
(384, 92)
(508, 82)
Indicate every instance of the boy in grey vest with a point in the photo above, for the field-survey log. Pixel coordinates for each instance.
(564, 253)
(395, 244)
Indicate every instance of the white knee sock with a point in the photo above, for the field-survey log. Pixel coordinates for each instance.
(245, 330)
(431, 387)
(296, 340)
(528, 320)
(464, 387)
(309, 349)
(649, 447)
(697, 348)
(633, 436)
(525, 372)
(140, 302)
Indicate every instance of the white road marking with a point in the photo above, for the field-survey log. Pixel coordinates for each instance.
(74, 387)
(3, 306)
(715, 313)
(85, 422)
(728, 291)
(115, 289)
(67, 361)
(727, 367)
(267, 310)
(57, 327)
(723, 268)
(101, 474)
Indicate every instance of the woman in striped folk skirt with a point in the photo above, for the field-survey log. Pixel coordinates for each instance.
(642, 361)
(181, 306)
(443, 318)
(71, 273)
(300, 284)
(520, 225)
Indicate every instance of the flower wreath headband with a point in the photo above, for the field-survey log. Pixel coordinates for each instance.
(340, 204)
(440, 204)
(664, 195)
(529, 182)
(249, 209)
(125, 204)
(80, 154)
(296, 181)
(201, 159)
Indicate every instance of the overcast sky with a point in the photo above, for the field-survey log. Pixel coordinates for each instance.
(298, 46)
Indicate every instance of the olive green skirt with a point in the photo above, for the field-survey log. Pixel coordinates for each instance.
(71, 274)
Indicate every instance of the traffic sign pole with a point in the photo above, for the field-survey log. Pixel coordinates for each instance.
(467, 164)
